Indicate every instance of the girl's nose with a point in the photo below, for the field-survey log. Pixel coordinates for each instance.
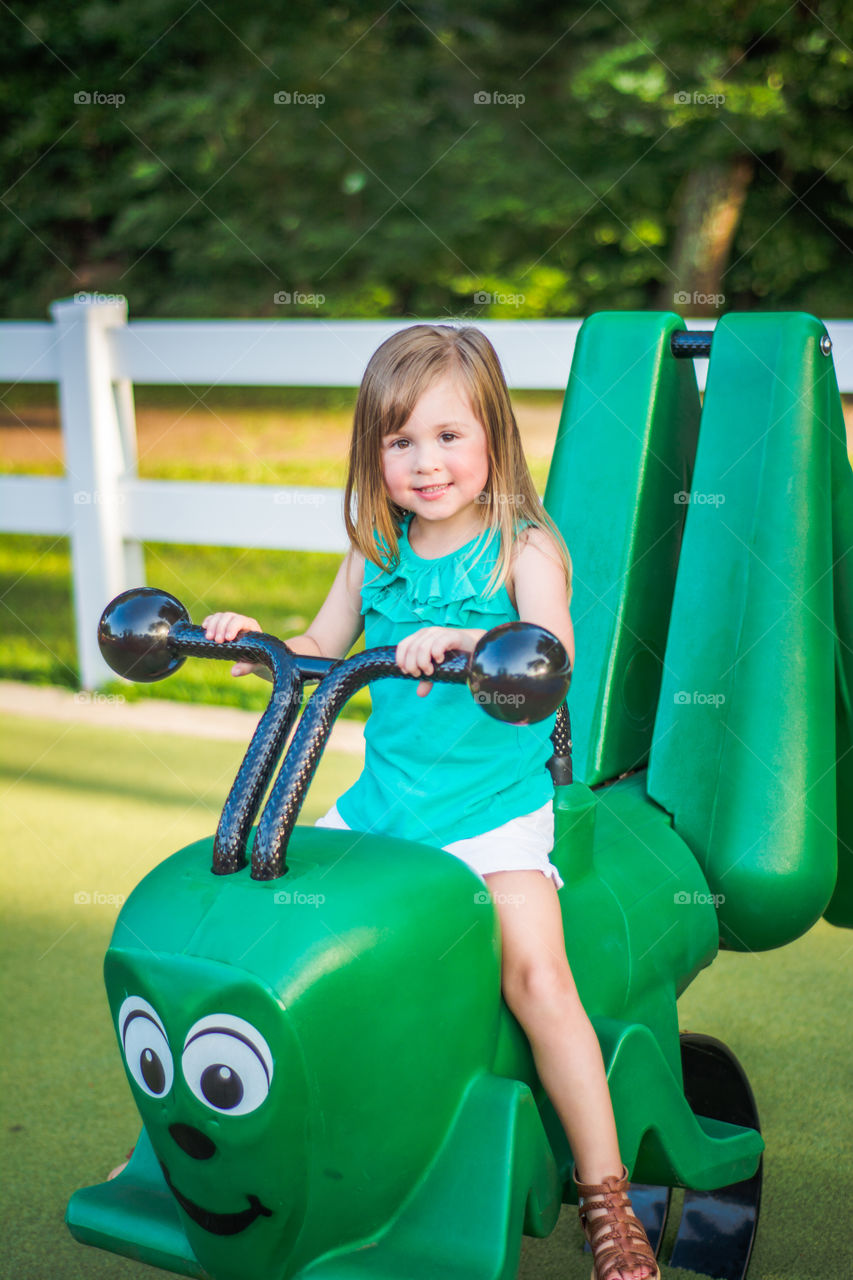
(426, 461)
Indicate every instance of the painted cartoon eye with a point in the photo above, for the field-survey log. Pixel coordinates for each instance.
(227, 1064)
(146, 1049)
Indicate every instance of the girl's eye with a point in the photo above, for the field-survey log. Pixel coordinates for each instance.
(448, 435)
(394, 443)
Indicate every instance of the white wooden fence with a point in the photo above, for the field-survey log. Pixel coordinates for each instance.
(107, 512)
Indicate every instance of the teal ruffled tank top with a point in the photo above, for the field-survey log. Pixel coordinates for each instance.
(439, 769)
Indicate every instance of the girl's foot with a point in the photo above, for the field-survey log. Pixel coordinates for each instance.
(620, 1246)
(120, 1167)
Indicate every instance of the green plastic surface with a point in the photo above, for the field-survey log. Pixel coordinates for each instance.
(135, 1215)
(621, 469)
(744, 753)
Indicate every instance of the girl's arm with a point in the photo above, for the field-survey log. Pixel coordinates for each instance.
(338, 623)
(539, 586)
(332, 633)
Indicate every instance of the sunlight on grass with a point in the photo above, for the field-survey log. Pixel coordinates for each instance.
(282, 589)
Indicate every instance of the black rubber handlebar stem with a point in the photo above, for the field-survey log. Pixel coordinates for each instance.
(342, 681)
(289, 672)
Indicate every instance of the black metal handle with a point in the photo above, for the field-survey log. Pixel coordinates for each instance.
(282, 809)
(145, 634)
(253, 777)
(560, 764)
(692, 344)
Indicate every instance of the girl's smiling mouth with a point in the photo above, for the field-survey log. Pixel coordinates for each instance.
(433, 490)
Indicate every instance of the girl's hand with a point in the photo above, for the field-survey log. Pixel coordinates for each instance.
(222, 627)
(417, 654)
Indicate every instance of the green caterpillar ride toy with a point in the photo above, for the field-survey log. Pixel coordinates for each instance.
(311, 1020)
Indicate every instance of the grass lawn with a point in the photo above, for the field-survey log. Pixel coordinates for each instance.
(93, 809)
(282, 589)
(260, 435)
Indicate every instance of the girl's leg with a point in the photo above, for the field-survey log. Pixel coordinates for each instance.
(538, 987)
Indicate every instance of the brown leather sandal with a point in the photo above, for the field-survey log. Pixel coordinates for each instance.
(617, 1237)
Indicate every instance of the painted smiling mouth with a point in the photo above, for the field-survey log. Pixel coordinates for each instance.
(218, 1224)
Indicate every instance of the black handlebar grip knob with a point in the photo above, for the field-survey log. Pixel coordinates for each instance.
(133, 634)
(519, 673)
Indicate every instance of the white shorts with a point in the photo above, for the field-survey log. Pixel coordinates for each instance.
(522, 844)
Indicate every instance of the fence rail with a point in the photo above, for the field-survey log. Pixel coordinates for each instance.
(96, 356)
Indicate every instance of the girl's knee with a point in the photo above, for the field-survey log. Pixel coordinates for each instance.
(539, 988)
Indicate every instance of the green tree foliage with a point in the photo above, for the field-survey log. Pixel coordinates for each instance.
(624, 154)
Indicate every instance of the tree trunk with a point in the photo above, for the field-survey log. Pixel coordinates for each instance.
(711, 204)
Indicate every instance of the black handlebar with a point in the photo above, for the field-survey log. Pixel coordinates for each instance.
(693, 344)
(262, 755)
(337, 687)
(146, 634)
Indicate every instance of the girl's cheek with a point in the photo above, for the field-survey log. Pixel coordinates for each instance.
(391, 469)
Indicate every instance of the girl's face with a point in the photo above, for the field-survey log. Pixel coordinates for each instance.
(437, 464)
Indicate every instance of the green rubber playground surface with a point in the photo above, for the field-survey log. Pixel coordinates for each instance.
(86, 812)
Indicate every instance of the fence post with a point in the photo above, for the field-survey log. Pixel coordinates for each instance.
(100, 451)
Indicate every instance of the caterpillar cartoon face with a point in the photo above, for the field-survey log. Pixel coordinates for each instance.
(218, 1081)
(227, 1065)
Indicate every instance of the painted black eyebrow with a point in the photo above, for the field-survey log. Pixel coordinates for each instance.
(237, 1035)
(139, 1013)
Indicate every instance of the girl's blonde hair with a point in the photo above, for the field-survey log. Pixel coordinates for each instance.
(398, 374)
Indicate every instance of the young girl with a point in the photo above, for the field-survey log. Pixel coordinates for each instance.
(449, 540)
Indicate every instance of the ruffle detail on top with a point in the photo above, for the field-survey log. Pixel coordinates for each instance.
(445, 592)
